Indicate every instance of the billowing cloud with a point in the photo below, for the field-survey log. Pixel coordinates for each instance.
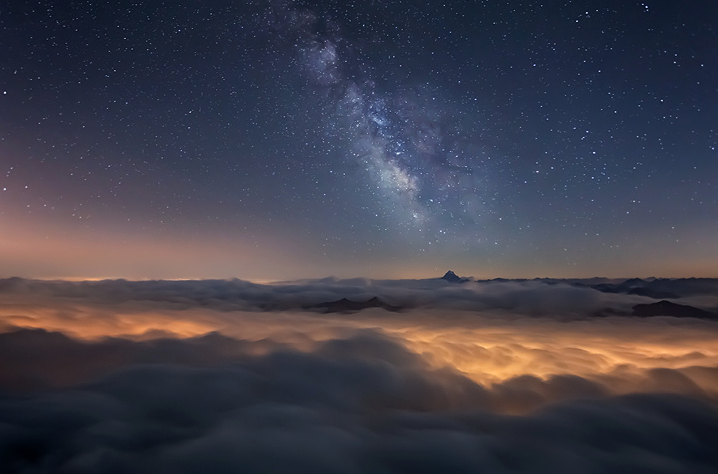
(228, 376)
(362, 404)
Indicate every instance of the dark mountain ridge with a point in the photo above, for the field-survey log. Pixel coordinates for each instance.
(667, 308)
(345, 305)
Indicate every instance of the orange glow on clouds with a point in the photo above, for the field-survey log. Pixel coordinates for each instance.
(489, 348)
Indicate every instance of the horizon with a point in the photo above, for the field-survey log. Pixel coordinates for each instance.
(351, 278)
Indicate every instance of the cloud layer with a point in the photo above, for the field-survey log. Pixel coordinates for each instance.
(230, 376)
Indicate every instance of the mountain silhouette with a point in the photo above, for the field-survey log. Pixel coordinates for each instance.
(347, 306)
(666, 308)
(451, 277)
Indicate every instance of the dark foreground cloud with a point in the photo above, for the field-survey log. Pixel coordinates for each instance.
(363, 404)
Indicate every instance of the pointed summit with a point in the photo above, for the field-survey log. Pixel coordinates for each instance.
(451, 277)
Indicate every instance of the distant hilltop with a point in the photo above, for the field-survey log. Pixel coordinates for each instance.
(668, 308)
(452, 277)
(347, 306)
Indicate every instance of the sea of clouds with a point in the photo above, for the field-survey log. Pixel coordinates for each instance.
(233, 376)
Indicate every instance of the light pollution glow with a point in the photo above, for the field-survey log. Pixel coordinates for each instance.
(137, 250)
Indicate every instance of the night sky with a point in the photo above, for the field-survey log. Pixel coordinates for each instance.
(272, 140)
(223, 226)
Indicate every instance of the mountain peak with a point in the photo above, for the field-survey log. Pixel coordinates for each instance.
(451, 277)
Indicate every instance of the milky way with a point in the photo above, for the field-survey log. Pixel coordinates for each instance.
(358, 138)
(415, 154)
